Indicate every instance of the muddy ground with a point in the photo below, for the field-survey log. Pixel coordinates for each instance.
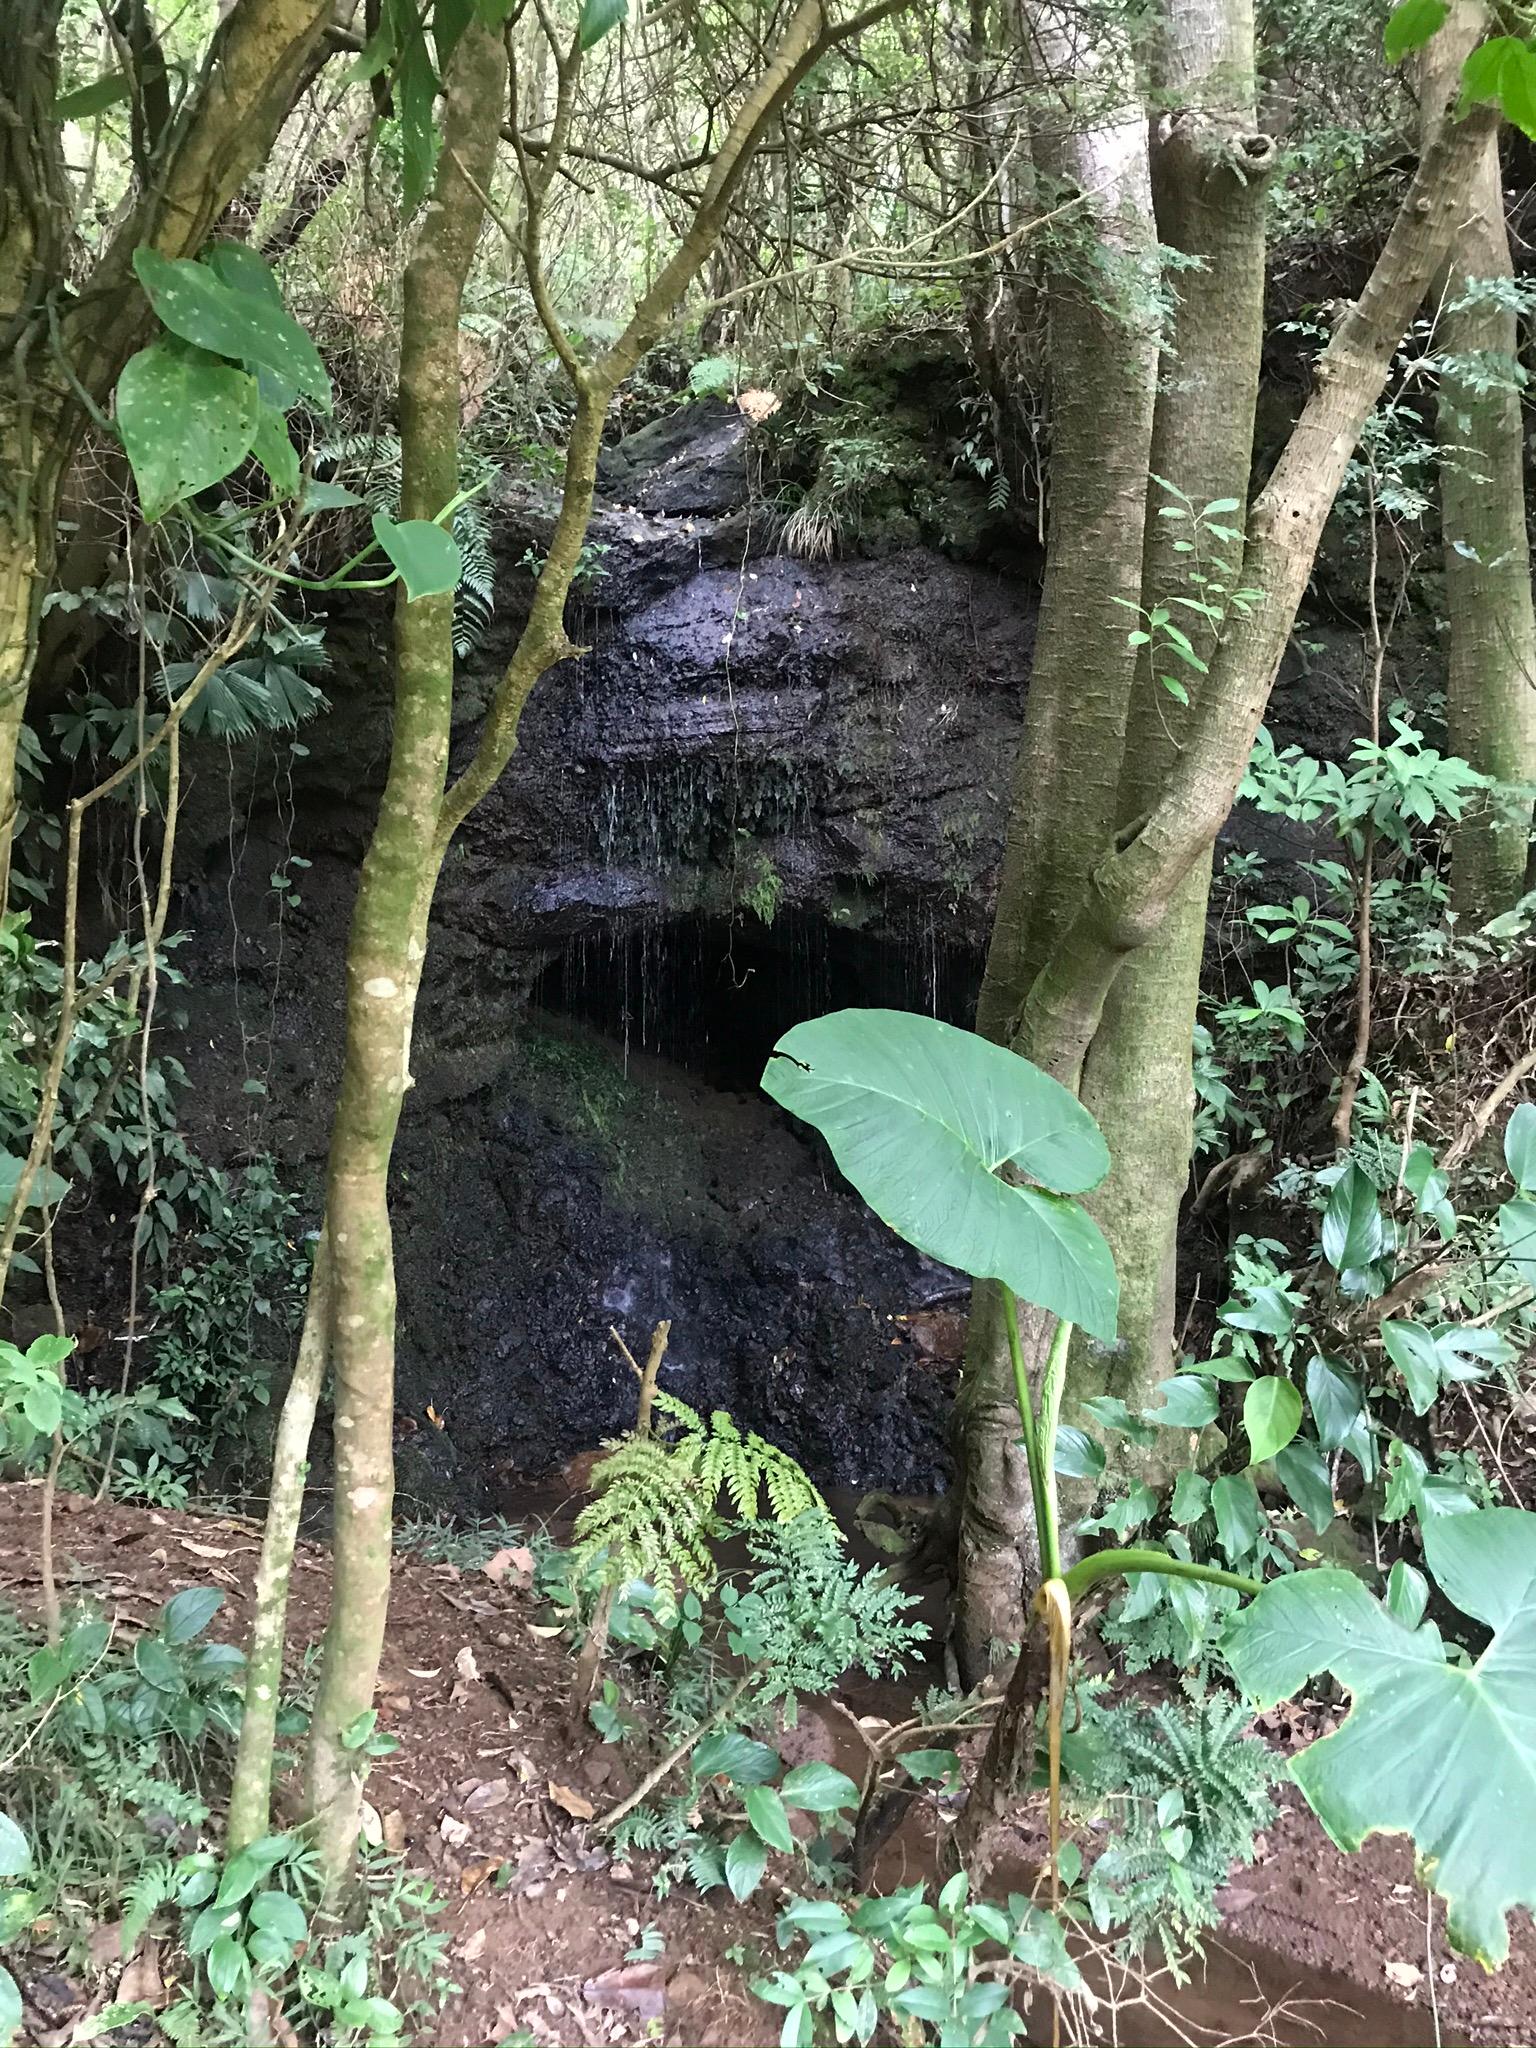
(491, 1796)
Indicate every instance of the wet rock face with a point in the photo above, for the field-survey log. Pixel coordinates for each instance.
(771, 787)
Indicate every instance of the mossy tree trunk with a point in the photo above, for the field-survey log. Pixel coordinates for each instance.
(385, 953)
(1210, 170)
(1135, 882)
(1491, 689)
(1101, 296)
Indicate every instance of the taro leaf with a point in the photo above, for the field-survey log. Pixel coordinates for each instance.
(426, 556)
(1189, 1402)
(186, 418)
(1303, 1472)
(1077, 1455)
(1239, 1518)
(110, 90)
(225, 311)
(597, 18)
(1445, 1753)
(1336, 1400)
(920, 1116)
(1271, 1417)
(1352, 1232)
(1411, 24)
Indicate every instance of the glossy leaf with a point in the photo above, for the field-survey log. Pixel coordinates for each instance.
(1443, 1752)
(920, 1116)
(1191, 1498)
(426, 556)
(186, 419)
(187, 1613)
(1407, 1593)
(745, 1861)
(1271, 1417)
(276, 453)
(244, 320)
(46, 1184)
(1482, 74)
(1078, 1456)
(11, 2014)
(1352, 1231)
(765, 1810)
(1336, 1401)
(1239, 1517)
(1520, 1147)
(86, 101)
(730, 1754)
(818, 1788)
(15, 1853)
(1189, 1402)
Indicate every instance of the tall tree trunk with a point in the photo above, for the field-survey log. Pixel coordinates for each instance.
(1103, 313)
(385, 953)
(1209, 178)
(1491, 694)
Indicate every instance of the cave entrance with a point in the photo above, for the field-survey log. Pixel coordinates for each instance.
(714, 995)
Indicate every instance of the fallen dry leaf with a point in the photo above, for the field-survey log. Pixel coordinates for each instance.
(1406, 1976)
(472, 1950)
(372, 1826)
(466, 1666)
(141, 1982)
(201, 1549)
(519, 1560)
(570, 1801)
(394, 1831)
(473, 1875)
(453, 1831)
(491, 1792)
(639, 1988)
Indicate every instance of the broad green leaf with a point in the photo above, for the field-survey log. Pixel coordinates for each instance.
(426, 556)
(49, 1351)
(46, 1184)
(1517, 87)
(325, 497)
(280, 1914)
(745, 1861)
(920, 1116)
(1352, 1233)
(1336, 1400)
(1303, 1471)
(1188, 1403)
(416, 87)
(1234, 1370)
(1412, 1349)
(242, 320)
(1517, 1234)
(818, 1788)
(186, 419)
(1407, 1593)
(228, 1966)
(731, 1754)
(244, 1872)
(156, 1666)
(1191, 1498)
(1482, 74)
(15, 1854)
(1445, 1753)
(765, 1810)
(598, 17)
(1271, 1417)
(926, 1764)
(10, 2008)
(110, 90)
(239, 266)
(187, 1613)
(1110, 1412)
(1520, 1147)
(1239, 1517)
(1077, 1455)
(1411, 24)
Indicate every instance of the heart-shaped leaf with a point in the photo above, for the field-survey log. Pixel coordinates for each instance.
(1443, 1752)
(186, 418)
(426, 556)
(920, 1116)
(233, 314)
(1411, 24)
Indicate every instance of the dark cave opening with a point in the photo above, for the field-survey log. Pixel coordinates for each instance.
(714, 995)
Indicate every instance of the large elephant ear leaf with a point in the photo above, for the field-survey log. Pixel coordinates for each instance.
(920, 1116)
(1443, 1752)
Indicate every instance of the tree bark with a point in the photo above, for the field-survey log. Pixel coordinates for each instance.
(1209, 178)
(1102, 297)
(1491, 691)
(385, 953)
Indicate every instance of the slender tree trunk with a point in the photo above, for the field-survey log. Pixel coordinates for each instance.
(1491, 696)
(1103, 313)
(384, 960)
(1209, 179)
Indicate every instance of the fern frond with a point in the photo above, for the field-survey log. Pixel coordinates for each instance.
(144, 1896)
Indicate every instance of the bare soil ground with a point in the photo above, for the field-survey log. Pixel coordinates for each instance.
(492, 1795)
